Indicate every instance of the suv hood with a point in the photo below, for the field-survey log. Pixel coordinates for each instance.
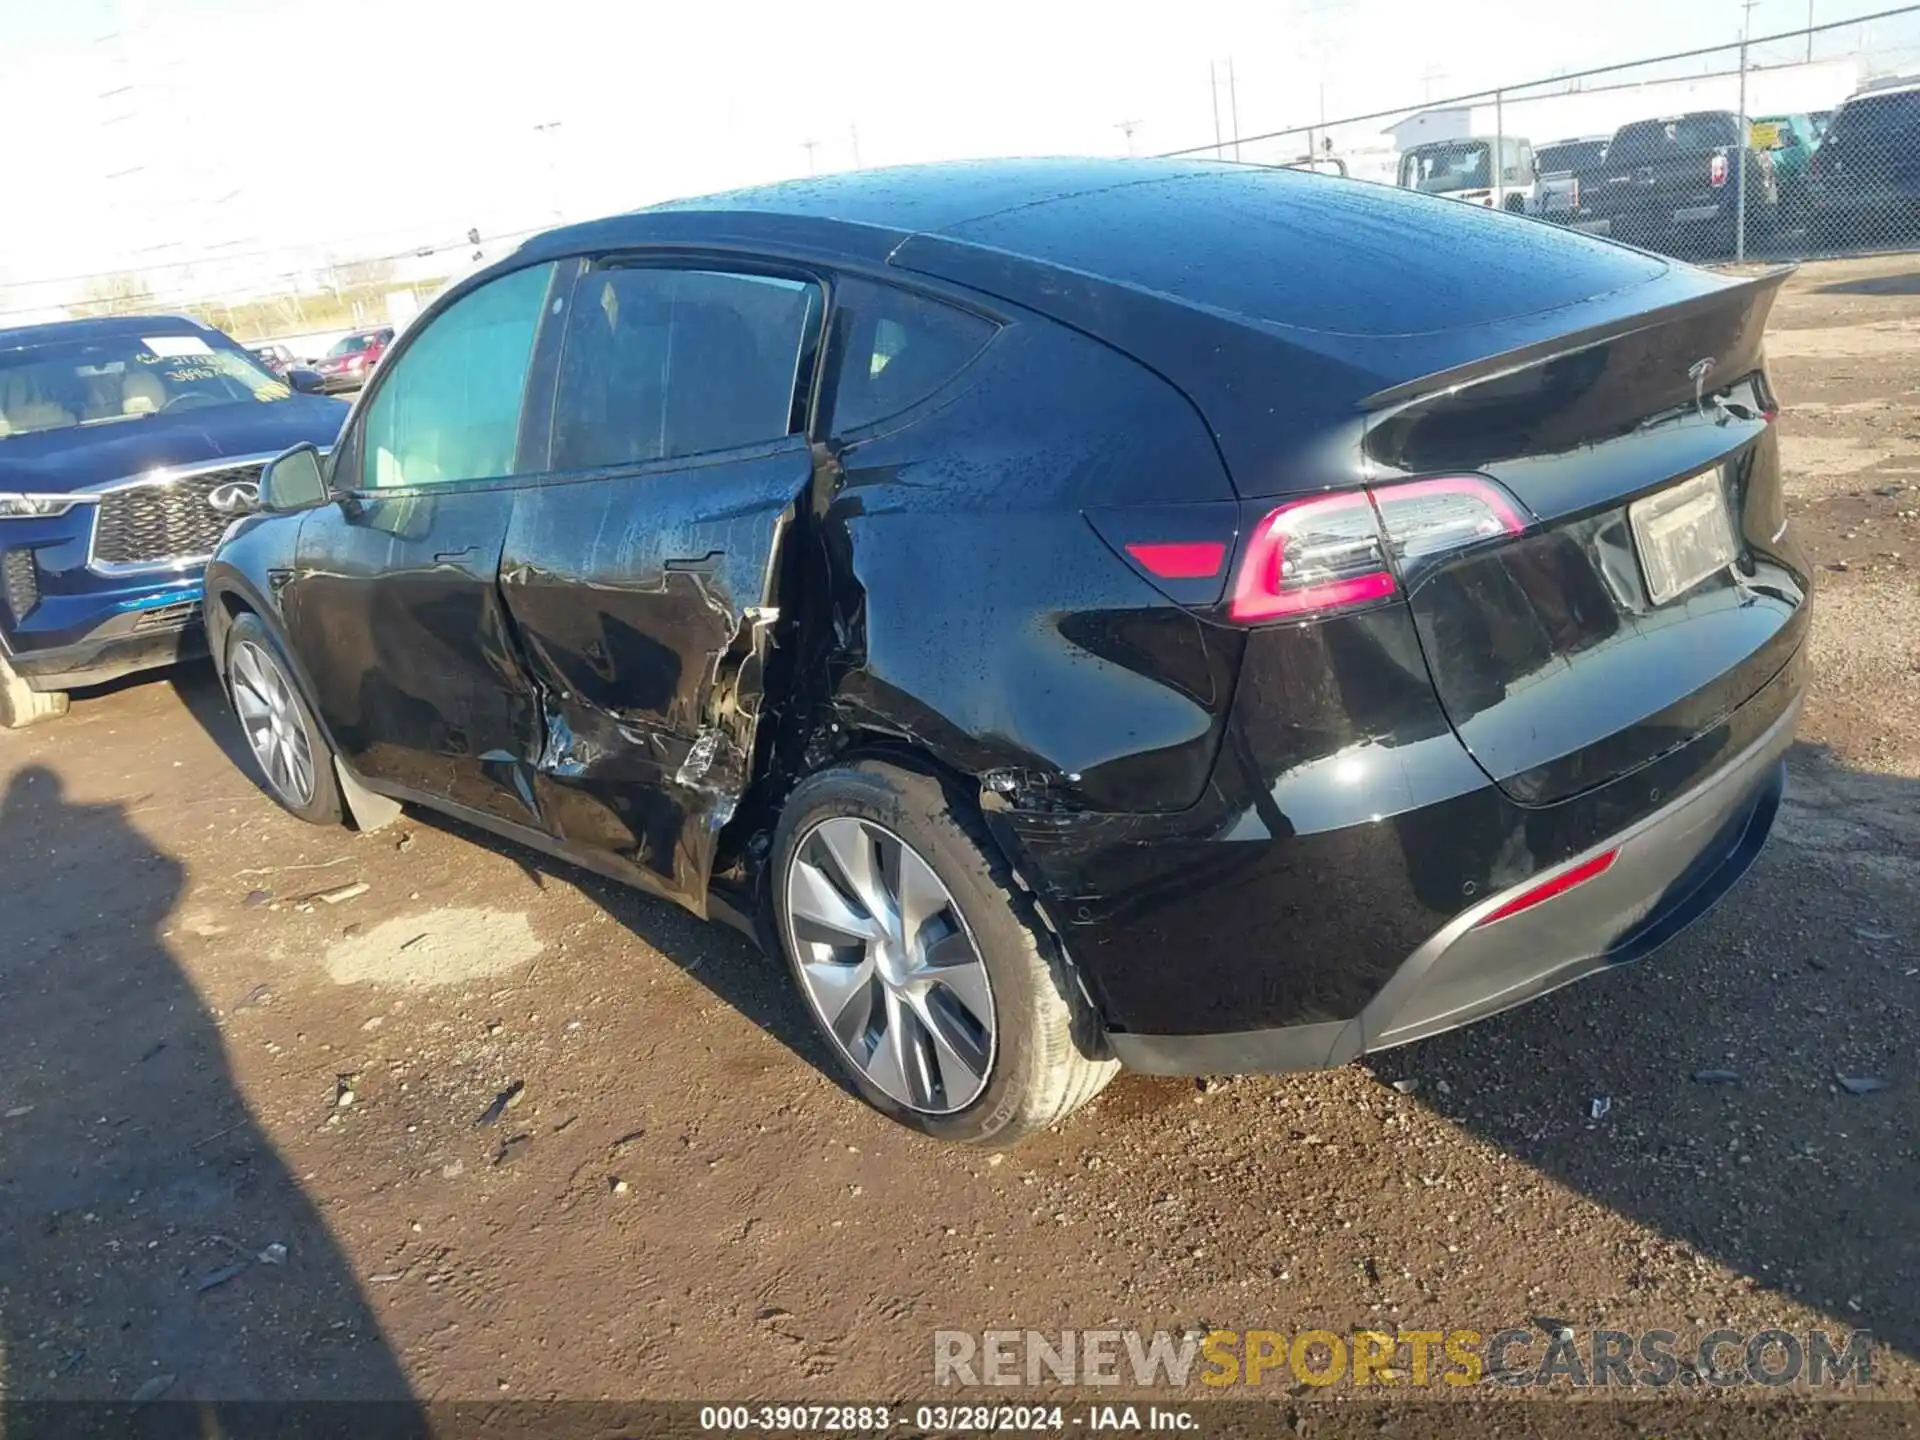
(57, 461)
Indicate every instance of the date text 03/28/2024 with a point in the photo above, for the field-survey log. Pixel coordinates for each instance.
(942, 1419)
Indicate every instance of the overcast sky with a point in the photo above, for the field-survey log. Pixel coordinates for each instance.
(143, 132)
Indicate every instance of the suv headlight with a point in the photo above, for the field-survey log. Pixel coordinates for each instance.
(28, 507)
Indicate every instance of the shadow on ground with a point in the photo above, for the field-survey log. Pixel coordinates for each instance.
(728, 965)
(1907, 283)
(1805, 973)
(144, 1208)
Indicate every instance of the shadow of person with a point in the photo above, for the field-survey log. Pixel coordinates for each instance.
(150, 1228)
(1723, 1124)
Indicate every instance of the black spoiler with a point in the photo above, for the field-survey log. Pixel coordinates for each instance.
(1749, 290)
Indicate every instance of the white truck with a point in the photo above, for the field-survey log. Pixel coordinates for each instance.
(1463, 170)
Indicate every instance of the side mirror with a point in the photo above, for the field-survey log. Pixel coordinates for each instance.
(307, 382)
(293, 481)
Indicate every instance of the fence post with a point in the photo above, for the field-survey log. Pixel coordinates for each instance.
(1740, 181)
(1499, 153)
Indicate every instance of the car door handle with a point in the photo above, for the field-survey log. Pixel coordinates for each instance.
(446, 557)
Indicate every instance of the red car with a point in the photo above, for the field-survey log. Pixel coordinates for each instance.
(347, 365)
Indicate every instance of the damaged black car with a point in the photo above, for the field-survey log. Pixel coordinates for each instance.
(1176, 615)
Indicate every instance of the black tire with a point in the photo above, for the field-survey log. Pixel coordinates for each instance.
(21, 704)
(322, 805)
(1050, 1055)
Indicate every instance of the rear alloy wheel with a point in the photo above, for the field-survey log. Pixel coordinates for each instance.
(21, 704)
(886, 959)
(950, 1007)
(295, 763)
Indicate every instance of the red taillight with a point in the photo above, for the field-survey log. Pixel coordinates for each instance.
(1717, 171)
(1183, 560)
(1547, 889)
(1317, 554)
(1331, 552)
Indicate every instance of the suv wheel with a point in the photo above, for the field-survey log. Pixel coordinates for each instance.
(21, 704)
(295, 762)
(950, 1007)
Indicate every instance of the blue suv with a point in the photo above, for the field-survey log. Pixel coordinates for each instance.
(127, 445)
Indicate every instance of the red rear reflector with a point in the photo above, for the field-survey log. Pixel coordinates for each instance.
(1558, 885)
(1184, 560)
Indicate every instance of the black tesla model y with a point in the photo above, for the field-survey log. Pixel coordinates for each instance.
(1184, 616)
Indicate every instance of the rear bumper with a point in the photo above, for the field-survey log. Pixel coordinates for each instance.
(1669, 869)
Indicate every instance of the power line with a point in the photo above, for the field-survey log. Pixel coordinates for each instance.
(290, 275)
(1553, 80)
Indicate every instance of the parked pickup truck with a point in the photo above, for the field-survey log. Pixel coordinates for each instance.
(1563, 167)
(1671, 184)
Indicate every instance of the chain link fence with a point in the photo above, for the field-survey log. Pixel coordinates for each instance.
(1784, 146)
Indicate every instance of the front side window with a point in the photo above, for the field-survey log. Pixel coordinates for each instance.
(449, 409)
(75, 383)
(892, 349)
(659, 363)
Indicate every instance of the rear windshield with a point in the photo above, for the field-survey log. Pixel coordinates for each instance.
(71, 383)
(1235, 240)
(1439, 169)
(1555, 159)
(1646, 140)
(1871, 114)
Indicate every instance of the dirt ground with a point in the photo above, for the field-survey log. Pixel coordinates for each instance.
(243, 1142)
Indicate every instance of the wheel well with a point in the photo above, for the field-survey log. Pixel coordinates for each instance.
(233, 604)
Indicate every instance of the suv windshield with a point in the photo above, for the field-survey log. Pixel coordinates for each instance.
(1437, 169)
(68, 383)
(353, 344)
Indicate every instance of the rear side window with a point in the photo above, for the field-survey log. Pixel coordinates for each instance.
(659, 363)
(892, 349)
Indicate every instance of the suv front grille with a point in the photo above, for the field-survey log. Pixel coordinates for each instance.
(155, 524)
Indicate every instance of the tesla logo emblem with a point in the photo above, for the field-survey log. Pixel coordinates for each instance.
(1698, 373)
(236, 497)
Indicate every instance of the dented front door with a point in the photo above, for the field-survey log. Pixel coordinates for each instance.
(643, 600)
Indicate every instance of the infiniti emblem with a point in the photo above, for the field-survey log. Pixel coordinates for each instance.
(236, 497)
(1698, 373)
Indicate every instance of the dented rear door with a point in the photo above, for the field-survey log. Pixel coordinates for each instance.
(640, 575)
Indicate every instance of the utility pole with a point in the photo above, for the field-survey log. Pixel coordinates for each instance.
(1809, 32)
(1127, 127)
(1213, 86)
(1233, 104)
(853, 134)
(1745, 137)
(551, 130)
(810, 146)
